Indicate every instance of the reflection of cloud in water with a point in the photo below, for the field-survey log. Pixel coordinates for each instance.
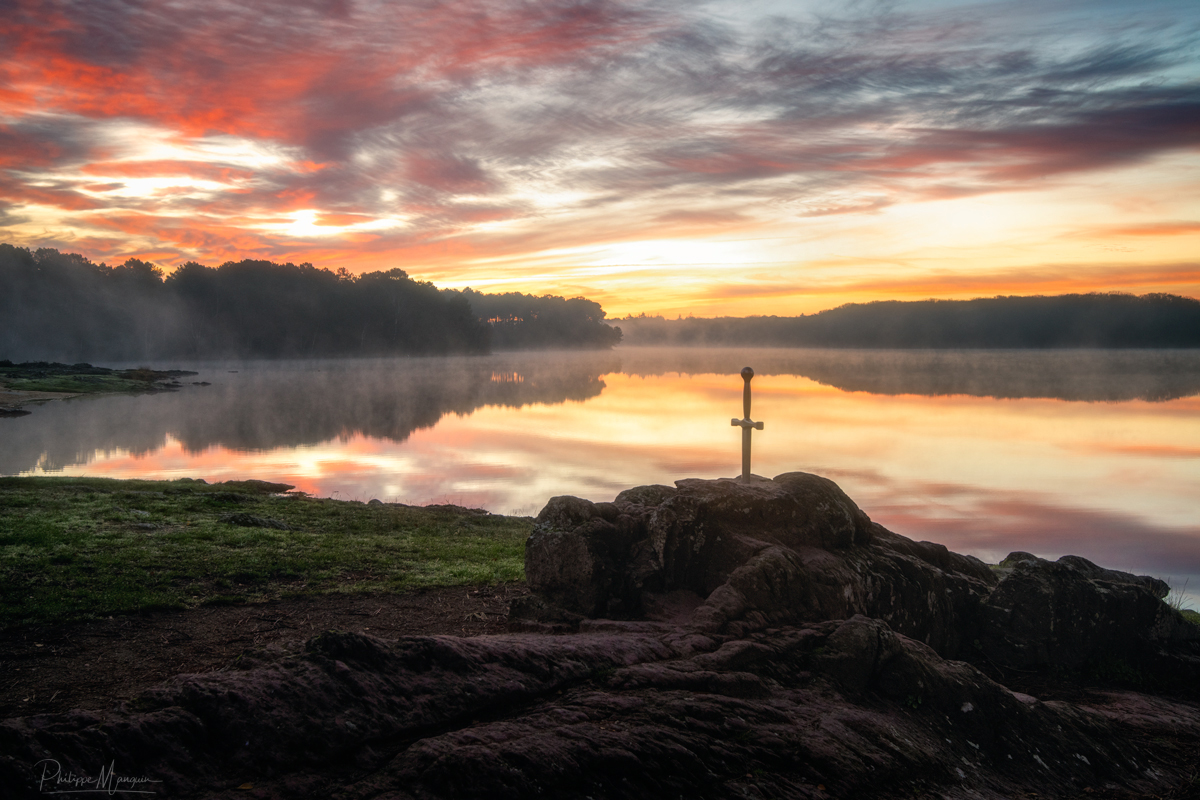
(992, 524)
(1146, 450)
(266, 405)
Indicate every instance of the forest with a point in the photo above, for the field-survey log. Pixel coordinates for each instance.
(524, 321)
(61, 306)
(1015, 322)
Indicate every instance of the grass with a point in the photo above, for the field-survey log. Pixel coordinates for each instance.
(1177, 599)
(76, 384)
(77, 548)
(82, 378)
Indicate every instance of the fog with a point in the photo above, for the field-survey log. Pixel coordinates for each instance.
(1074, 375)
(260, 405)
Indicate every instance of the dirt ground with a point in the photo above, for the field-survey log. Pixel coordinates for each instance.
(93, 665)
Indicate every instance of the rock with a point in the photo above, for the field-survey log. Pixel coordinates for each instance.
(1071, 614)
(756, 554)
(583, 560)
(831, 709)
(741, 557)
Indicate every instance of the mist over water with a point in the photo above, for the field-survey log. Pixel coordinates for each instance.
(263, 405)
(1075, 375)
(1095, 453)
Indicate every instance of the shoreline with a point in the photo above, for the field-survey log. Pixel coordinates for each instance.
(43, 381)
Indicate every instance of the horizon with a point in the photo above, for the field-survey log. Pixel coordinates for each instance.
(659, 158)
(630, 316)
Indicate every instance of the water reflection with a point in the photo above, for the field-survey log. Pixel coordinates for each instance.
(264, 405)
(1075, 375)
(1091, 453)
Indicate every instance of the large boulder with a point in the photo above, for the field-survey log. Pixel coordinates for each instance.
(1073, 614)
(755, 554)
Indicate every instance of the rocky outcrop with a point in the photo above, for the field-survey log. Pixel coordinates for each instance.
(755, 554)
(623, 710)
(1071, 614)
(797, 549)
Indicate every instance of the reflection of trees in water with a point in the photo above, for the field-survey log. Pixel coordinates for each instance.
(1077, 375)
(288, 404)
(385, 399)
(268, 405)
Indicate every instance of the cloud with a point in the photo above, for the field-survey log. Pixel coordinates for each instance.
(501, 127)
(57, 196)
(1173, 228)
(165, 168)
(1035, 279)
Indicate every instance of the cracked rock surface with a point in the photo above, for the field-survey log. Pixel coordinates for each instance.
(712, 640)
(843, 709)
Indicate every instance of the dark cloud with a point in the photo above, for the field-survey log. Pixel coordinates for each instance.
(7, 217)
(42, 142)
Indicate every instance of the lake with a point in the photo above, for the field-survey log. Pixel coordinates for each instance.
(1095, 453)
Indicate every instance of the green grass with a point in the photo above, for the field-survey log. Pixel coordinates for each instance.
(83, 378)
(77, 548)
(77, 384)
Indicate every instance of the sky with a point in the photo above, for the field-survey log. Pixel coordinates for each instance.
(674, 157)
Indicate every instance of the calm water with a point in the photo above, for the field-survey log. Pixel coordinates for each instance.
(1093, 453)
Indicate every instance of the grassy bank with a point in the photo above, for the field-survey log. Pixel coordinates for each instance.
(42, 376)
(74, 548)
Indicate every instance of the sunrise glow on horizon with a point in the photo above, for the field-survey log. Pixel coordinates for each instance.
(713, 158)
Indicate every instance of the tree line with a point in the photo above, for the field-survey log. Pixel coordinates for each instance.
(525, 321)
(1101, 320)
(63, 306)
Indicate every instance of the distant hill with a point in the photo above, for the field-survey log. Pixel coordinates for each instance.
(1062, 321)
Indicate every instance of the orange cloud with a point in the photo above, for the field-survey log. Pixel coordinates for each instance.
(162, 168)
(1153, 229)
(338, 220)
